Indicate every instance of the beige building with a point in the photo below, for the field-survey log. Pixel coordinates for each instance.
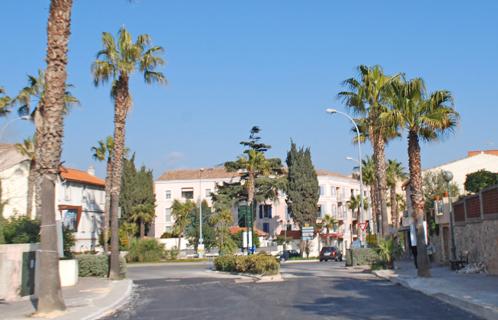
(271, 216)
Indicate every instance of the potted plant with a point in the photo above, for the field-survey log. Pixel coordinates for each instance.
(68, 266)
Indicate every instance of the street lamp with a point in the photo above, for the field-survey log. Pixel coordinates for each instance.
(448, 176)
(200, 246)
(4, 127)
(333, 111)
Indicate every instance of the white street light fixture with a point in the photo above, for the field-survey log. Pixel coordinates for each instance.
(334, 111)
(200, 246)
(448, 176)
(4, 127)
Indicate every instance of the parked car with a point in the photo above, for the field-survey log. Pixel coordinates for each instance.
(330, 253)
(287, 254)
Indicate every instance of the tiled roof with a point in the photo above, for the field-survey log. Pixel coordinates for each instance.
(83, 177)
(195, 174)
(237, 229)
(490, 152)
(322, 173)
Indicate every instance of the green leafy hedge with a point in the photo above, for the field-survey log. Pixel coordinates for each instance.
(256, 264)
(145, 250)
(91, 265)
(363, 256)
(21, 229)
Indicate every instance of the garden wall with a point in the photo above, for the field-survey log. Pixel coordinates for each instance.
(17, 270)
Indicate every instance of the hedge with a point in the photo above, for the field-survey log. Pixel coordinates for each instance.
(255, 264)
(91, 265)
(145, 250)
(364, 256)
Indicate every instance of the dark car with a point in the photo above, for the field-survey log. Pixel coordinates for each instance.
(287, 254)
(330, 253)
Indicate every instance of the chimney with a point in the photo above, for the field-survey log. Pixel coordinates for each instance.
(91, 171)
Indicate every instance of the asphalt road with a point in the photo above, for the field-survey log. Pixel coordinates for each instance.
(310, 291)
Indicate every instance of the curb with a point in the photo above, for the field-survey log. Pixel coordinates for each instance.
(114, 306)
(485, 312)
(299, 261)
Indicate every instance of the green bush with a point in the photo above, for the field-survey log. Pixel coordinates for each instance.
(68, 242)
(364, 256)
(21, 229)
(168, 235)
(256, 264)
(91, 265)
(145, 250)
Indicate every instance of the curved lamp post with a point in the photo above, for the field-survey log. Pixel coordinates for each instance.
(334, 111)
(8, 123)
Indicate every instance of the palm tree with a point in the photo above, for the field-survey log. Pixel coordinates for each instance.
(100, 153)
(5, 103)
(395, 172)
(117, 61)
(49, 149)
(27, 149)
(329, 223)
(29, 101)
(367, 98)
(181, 212)
(427, 117)
(143, 214)
(368, 170)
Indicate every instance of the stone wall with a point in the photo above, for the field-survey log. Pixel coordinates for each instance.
(480, 239)
(11, 262)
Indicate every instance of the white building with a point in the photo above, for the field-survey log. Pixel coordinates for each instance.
(271, 216)
(80, 196)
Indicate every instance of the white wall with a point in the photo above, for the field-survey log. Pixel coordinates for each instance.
(15, 189)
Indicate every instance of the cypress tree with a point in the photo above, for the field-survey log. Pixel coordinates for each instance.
(303, 189)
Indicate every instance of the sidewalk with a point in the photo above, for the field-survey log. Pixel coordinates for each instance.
(91, 298)
(476, 293)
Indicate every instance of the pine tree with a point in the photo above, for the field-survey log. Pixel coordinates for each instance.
(303, 189)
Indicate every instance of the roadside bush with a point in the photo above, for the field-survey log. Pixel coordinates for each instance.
(91, 265)
(371, 240)
(256, 264)
(21, 229)
(364, 256)
(388, 249)
(145, 250)
(67, 242)
(171, 254)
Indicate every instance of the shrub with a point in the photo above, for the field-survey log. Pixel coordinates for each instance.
(168, 235)
(145, 250)
(364, 256)
(171, 254)
(387, 250)
(21, 229)
(91, 265)
(67, 242)
(256, 264)
(372, 240)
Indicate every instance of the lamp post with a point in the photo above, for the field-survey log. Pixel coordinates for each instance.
(200, 246)
(8, 123)
(448, 176)
(333, 111)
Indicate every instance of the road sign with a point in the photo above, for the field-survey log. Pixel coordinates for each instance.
(363, 225)
(307, 233)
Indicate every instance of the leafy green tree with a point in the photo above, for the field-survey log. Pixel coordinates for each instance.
(303, 190)
(222, 220)
(395, 173)
(117, 61)
(181, 213)
(367, 98)
(479, 180)
(142, 214)
(208, 228)
(5, 103)
(427, 117)
(330, 224)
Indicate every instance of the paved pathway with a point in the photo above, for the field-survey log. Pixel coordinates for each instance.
(310, 291)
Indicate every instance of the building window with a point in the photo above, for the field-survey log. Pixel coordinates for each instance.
(266, 227)
(168, 194)
(334, 210)
(70, 220)
(208, 193)
(168, 229)
(67, 192)
(332, 192)
(320, 211)
(167, 215)
(188, 193)
(265, 211)
(322, 190)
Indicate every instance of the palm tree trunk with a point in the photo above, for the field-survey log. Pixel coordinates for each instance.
(394, 206)
(107, 206)
(417, 197)
(50, 149)
(373, 200)
(380, 175)
(142, 229)
(31, 188)
(121, 105)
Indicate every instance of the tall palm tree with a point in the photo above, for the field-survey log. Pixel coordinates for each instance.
(368, 170)
(117, 61)
(5, 103)
(29, 101)
(395, 173)
(27, 149)
(428, 117)
(329, 223)
(49, 149)
(100, 153)
(367, 98)
(181, 212)
(143, 214)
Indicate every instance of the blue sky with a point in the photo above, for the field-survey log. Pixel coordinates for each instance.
(277, 64)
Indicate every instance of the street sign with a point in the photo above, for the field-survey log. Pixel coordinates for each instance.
(307, 233)
(363, 225)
